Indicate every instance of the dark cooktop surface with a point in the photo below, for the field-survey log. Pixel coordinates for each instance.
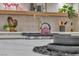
(38, 34)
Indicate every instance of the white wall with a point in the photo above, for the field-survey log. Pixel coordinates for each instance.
(52, 7)
(75, 6)
(26, 6)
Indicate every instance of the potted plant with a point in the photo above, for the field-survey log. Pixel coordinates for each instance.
(6, 27)
(11, 25)
(67, 8)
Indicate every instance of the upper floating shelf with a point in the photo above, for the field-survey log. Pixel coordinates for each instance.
(29, 13)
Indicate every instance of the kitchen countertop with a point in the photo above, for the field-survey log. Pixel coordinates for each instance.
(21, 47)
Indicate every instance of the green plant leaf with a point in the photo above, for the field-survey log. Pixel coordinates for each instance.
(5, 26)
(68, 9)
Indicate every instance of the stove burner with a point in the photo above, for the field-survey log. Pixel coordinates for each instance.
(45, 51)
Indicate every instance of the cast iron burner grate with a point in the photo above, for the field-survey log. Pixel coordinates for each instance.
(45, 51)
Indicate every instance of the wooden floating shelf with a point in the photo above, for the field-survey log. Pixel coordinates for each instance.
(29, 13)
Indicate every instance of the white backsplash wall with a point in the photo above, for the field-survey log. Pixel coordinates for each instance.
(76, 22)
(29, 24)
